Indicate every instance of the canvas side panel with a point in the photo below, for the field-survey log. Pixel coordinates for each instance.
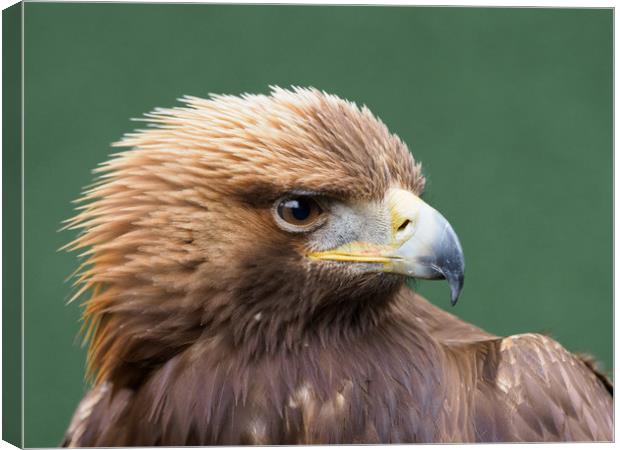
(11, 224)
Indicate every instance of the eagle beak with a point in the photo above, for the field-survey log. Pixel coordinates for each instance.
(422, 244)
(425, 244)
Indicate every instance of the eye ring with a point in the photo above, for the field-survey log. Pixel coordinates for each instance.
(298, 213)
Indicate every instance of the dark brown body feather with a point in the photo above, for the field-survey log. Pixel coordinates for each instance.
(419, 375)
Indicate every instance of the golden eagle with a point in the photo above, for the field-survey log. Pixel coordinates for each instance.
(246, 260)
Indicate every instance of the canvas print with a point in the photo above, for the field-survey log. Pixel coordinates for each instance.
(322, 225)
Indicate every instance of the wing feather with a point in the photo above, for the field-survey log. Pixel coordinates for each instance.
(99, 415)
(550, 394)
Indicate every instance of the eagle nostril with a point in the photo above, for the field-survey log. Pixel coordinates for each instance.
(404, 230)
(404, 225)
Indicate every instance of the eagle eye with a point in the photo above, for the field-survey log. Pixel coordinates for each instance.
(298, 213)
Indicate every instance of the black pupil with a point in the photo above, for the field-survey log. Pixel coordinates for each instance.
(300, 208)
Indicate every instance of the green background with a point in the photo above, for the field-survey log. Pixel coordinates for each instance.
(11, 226)
(509, 110)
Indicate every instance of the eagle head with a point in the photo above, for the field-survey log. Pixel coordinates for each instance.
(262, 219)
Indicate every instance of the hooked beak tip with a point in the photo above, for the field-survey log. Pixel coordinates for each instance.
(456, 282)
(455, 279)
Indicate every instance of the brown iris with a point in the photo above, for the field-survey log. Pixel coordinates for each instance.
(299, 211)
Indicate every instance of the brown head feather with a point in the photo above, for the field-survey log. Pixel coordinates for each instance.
(176, 221)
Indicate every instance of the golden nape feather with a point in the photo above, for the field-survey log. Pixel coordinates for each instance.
(244, 261)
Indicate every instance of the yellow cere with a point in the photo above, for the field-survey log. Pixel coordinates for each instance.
(403, 206)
